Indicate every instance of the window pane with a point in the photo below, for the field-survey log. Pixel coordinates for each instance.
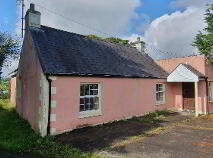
(157, 96)
(86, 88)
(96, 106)
(81, 100)
(160, 87)
(161, 96)
(82, 90)
(95, 86)
(89, 99)
(91, 86)
(94, 100)
(94, 103)
(82, 108)
(93, 92)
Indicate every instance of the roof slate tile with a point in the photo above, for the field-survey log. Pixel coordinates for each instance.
(65, 53)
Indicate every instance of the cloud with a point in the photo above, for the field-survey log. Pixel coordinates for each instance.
(189, 3)
(111, 16)
(175, 33)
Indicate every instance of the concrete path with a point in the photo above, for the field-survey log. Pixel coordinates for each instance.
(190, 139)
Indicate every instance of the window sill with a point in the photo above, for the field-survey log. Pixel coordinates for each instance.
(160, 103)
(93, 113)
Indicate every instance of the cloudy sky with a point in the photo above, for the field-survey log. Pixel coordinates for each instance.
(165, 25)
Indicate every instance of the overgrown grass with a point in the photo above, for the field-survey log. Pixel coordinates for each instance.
(4, 89)
(16, 135)
(153, 116)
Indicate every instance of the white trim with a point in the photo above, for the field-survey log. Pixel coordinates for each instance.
(91, 113)
(53, 78)
(52, 131)
(182, 74)
(53, 104)
(53, 117)
(53, 90)
(164, 94)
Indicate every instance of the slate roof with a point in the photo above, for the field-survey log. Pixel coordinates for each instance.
(195, 71)
(65, 53)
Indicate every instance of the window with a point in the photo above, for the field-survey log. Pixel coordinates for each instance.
(89, 97)
(211, 91)
(160, 93)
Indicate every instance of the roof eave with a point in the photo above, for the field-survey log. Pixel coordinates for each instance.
(101, 75)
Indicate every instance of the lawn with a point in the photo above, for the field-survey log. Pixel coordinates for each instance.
(17, 136)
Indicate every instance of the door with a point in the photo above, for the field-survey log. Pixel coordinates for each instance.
(188, 96)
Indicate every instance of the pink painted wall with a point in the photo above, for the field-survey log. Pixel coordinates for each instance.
(120, 98)
(202, 97)
(177, 95)
(209, 73)
(13, 90)
(197, 61)
(200, 63)
(28, 84)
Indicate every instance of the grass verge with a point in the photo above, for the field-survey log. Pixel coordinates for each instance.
(16, 135)
(153, 116)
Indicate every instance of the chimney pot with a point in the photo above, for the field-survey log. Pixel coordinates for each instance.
(32, 7)
(138, 39)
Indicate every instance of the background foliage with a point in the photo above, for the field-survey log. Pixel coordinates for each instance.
(204, 41)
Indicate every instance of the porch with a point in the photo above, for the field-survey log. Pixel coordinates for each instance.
(190, 89)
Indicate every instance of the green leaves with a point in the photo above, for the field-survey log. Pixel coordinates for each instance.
(9, 47)
(204, 41)
(111, 39)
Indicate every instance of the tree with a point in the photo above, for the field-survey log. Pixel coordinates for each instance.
(204, 41)
(9, 47)
(111, 39)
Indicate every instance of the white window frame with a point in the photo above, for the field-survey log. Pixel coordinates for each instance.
(210, 91)
(162, 91)
(90, 113)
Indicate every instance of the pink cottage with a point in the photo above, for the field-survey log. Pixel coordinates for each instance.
(67, 81)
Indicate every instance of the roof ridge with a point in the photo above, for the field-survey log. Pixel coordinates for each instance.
(187, 56)
(85, 36)
(62, 30)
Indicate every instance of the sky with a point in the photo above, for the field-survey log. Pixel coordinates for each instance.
(167, 26)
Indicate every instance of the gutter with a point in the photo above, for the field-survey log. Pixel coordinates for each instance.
(49, 109)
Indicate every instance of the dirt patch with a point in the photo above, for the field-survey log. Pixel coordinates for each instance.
(119, 133)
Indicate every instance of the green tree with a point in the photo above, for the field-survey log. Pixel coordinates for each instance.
(111, 39)
(9, 47)
(204, 41)
(117, 40)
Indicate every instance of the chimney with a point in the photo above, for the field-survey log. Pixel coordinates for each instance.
(140, 45)
(32, 17)
(138, 39)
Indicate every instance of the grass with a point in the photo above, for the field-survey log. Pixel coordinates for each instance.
(17, 136)
(153, 116)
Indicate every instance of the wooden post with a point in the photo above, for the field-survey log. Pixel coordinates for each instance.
(196, 99)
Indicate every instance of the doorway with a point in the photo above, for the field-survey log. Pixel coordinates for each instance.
(188, 96)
